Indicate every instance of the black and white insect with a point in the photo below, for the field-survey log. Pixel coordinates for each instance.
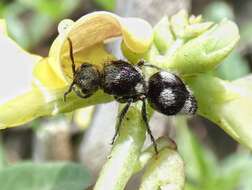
(164, 91)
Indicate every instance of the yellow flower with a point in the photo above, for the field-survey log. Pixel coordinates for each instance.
(46, 79)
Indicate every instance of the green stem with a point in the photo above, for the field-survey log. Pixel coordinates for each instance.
(125, 153)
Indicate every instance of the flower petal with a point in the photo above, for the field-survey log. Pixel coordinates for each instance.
(41, 102)
(44, 75)
(51, 76)
(88, 35)
(16, 72)
(21, 109)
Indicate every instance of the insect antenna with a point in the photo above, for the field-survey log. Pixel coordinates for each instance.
(71, 54)
(73, 67)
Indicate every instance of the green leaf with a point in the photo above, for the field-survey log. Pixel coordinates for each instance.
(48, 176)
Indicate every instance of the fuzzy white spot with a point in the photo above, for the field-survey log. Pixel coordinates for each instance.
(167, 97)
(189, 106)
(167, 77)
(139, 88)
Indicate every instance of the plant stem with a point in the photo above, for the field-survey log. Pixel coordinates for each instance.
(125, 153)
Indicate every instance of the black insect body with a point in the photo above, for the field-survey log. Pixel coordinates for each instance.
(169, 95)
(123, 80)
(164, 91)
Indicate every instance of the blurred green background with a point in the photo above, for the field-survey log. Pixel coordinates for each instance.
(213, 160)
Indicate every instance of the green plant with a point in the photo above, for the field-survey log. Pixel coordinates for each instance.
(181, 44)
(205, 171)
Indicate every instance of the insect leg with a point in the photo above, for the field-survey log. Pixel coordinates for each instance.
(120, 119)
(144, 115)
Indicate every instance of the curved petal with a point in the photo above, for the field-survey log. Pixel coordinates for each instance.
(88, 35)
(21, 109)
(39, 102)
(51, 76)
(16, 76)
(44, 75)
